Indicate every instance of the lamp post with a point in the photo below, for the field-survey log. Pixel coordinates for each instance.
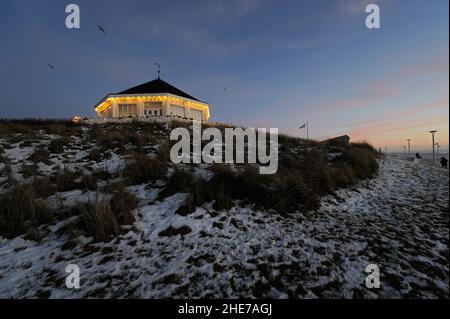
(432, 137)
(409, 148)
(438, 148)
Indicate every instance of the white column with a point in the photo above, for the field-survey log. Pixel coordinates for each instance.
(141, 109)
(165, 108)
(115, 109)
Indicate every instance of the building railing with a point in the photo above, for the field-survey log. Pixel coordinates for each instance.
(147, 118)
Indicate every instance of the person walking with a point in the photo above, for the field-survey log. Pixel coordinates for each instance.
(444, 162)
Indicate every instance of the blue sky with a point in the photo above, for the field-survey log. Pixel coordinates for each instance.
(261, 63)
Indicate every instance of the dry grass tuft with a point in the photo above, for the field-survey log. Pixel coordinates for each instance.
(99, 221)
(122, 204)
(102, 219)
(57, 146)
(143, 169)
(40, 154)
(21, 211)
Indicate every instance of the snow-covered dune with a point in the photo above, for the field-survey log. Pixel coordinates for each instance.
(398, 221)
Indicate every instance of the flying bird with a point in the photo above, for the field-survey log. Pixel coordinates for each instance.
(51, 66)
(100, 28)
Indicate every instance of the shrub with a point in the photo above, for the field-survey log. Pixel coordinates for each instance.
(343, 175)
(143, 169)
(65, 180)
(366, 146)
(20, 211)
(184, 181)
(122, 204)
(43, 186)
(172, 231)
(99, 220)
(95, 154)
(109, 137)
(62, 181)
(57, 146)
(179, 181)
(361, 160)
(40, 154)
(28, 170)
(102, 219)
(89, 182)
(102, 174)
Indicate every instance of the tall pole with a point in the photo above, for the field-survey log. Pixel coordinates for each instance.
(438, 148)
(307, 130)
(432, 137)
(409, 148)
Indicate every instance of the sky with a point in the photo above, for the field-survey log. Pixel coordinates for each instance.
(259, 63)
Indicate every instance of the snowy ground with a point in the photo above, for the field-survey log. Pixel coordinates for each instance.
(398, 221)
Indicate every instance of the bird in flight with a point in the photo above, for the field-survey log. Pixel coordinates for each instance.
(51, 66)
(100, 28)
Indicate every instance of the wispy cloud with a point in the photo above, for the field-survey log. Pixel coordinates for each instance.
(395, 126)
(354, 7)
(441, 102)
(230, 10)
(394, 83)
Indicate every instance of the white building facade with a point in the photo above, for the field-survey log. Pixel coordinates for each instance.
(151, 99)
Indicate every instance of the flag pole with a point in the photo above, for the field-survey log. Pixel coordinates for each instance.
(307, 130)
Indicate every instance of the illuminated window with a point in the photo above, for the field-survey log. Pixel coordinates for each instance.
(177, 110)
(197, 115)
(128, 110)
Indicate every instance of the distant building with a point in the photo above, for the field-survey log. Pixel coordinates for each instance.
(154, 98)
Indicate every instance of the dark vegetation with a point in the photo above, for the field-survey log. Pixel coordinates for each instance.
(102, 219)
(135, 137)
(298, 185)
(27, 129)
(21, 211)
(305, 173)
(143, 169)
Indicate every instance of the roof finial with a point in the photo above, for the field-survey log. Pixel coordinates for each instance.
(159, 69)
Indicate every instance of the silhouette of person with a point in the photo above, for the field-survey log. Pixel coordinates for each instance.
(444, 162)
(418, 156)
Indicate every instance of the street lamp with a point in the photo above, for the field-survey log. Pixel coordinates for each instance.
(432, 136)
(409, 148)
(438, 148)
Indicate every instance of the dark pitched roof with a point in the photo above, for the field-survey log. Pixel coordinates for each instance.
(157, 86)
